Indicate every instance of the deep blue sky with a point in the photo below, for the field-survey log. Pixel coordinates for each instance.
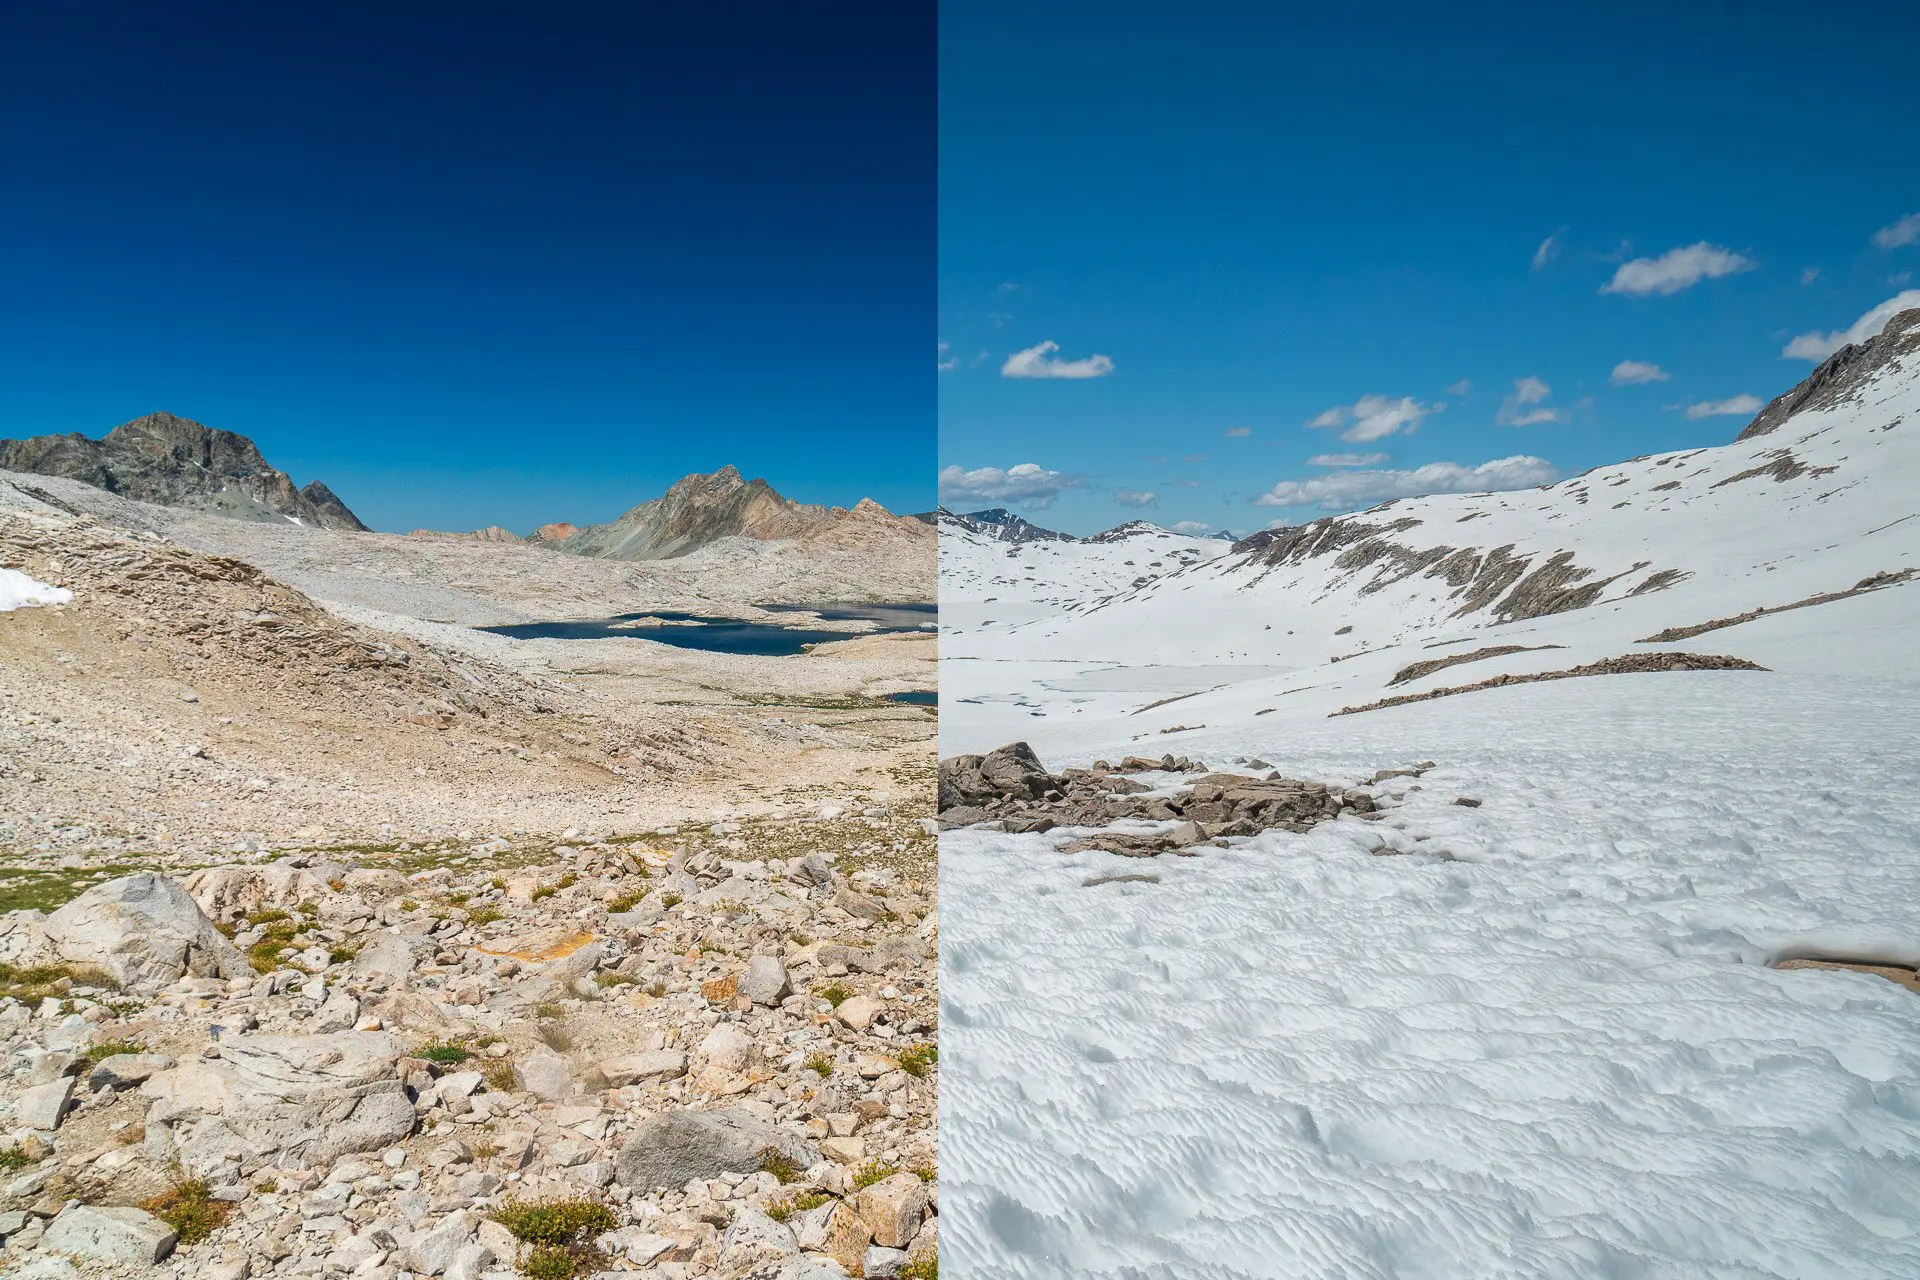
(1258, 212)
(481, 263)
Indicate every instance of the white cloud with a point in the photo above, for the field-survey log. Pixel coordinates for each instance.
(1809, 275)
(1460, 388)
(1549, 249)
(1346, 459)
(946, 362)
(1040, 362)
(1375, 417)
(1634, 373)
(1029, 486)
(1676, 269)
(1239, 433)
(1346, 490)
(1818, 346)
(1742, 406)
(1193, 528)
(1135, 497)
(1528, 391)
(1901, 231)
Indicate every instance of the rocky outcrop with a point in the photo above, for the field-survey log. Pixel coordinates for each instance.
(142, 929)
(1841, 375)
(675, 1147)
(702, 509)
(1001, 525)
(1010, 787)
(177, 462)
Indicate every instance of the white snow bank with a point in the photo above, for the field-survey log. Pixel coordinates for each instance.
(1543, 1042)
(17, 591)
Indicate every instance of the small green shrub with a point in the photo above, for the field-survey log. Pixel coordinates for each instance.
(561, 1232)
(671, 900)
(775, 1161)
(927, 1268)
(190, 1209)
(95, 1054)
(484, 915)
(12, 1158)
(820, 1064)
(834, 993)
(918, 1059)
(871, 1172)
(445, 1052)
(625, 902)
(781, 1210)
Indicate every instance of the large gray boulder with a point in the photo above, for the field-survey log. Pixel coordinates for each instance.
(131, 1237)
(291, 1101)
(675, 1147)
(143, 929)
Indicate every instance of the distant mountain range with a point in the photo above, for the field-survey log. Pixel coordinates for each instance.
(177, 462)
(997, 524)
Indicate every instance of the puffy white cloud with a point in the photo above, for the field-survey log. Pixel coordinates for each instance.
(1634, 373)
(1549, 249)
(1029, 486)
(1376, 417)
(1135, 497)
(1345, 490)
(1676, 269)
(1346, 459)
(1901, 231)
(1818, 346)
(1239, 433)
(1742, 406)
(1193, 528)
(1514, 411)
(1039, 361)
(1460, 388)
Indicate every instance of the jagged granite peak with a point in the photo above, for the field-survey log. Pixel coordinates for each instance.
(1003, 526)
(177, 462)
(1841, 375)
(703, 508)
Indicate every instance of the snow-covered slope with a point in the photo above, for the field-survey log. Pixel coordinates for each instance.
(977, 566)
(1537, 1035)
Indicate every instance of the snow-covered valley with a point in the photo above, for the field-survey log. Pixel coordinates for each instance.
(1539, 1035)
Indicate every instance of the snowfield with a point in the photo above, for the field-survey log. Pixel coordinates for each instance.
(18, 591)
(1540, 1037)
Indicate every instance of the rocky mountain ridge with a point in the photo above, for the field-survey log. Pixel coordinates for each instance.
(178, 462)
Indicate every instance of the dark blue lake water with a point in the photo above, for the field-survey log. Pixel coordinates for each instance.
(725, 635)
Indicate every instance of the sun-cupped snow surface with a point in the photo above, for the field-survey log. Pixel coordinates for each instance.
(1536, 1038)
(17, 591)
(1540, 1036)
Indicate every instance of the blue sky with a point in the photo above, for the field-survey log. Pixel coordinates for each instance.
(1481, 245)
(485, 263)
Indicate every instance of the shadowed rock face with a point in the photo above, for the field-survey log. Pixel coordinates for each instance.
(1841, 375)
(177, 462)
(705, 508)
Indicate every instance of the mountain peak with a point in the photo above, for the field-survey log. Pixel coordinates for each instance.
(176, 462)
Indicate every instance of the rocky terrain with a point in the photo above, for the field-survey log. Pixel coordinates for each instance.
(472, 581)
(177, 462)
(1008, 789)
(698, 1051)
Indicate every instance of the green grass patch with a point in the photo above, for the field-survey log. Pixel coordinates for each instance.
(918, 1059)
(873, 1171)
(190, 1209)
(561, 1232)
(781, 1210)
(834, 993)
